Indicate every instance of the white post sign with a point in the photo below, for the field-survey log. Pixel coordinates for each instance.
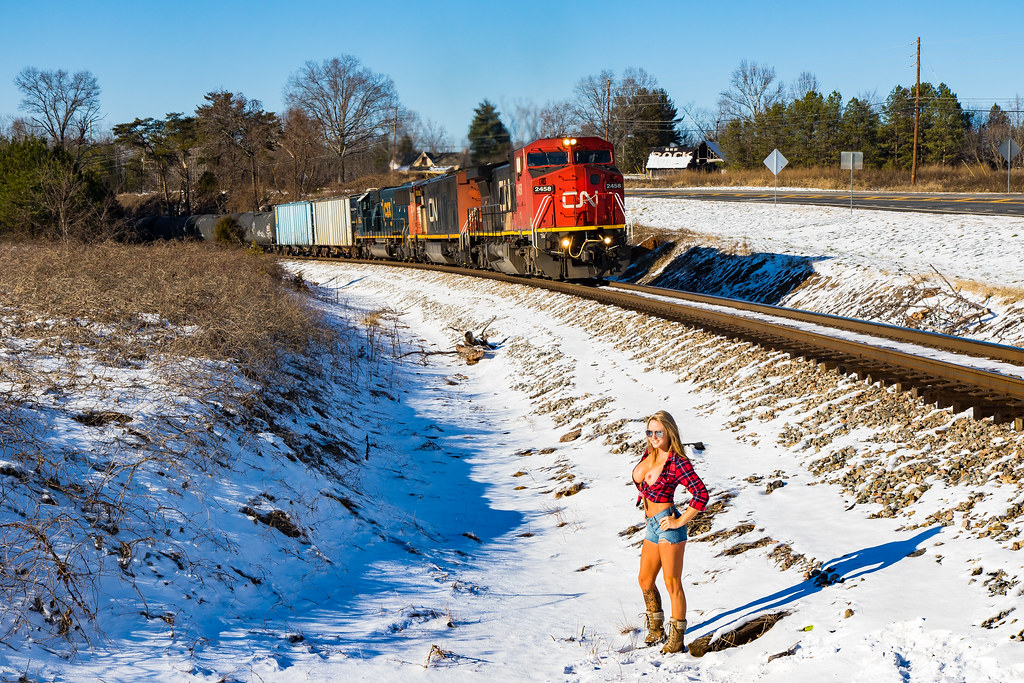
(1009, 149)
(775, 163)
(853, 161)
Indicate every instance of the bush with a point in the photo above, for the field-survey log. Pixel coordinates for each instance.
(228, 231)
(43, 193)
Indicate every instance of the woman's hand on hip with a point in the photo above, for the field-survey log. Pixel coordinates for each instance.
(668, 522)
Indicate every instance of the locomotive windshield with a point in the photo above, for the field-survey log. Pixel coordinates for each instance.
(593, 156)
(547, 159)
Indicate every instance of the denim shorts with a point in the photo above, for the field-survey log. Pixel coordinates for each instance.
(655, 534)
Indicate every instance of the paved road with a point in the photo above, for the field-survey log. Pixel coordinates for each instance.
(929, 202)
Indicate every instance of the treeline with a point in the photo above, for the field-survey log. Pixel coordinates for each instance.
(229, 154)
(811, 129)
(343, 122)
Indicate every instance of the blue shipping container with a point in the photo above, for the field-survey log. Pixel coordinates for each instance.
(294, 224)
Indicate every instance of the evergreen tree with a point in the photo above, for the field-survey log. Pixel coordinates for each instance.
(735, 144)
(996, 128)
(830, 132)
(898, 126)
(805, 116)
(650, 117)
(860, 130)
(489, 140)
(944, 124)
(43, 192)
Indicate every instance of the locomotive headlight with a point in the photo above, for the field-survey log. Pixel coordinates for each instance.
(572, 141)
(565, 142)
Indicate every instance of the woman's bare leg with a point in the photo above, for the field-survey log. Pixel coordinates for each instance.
(671, 562)
(650, 564)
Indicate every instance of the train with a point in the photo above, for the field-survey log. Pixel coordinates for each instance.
(555, 209)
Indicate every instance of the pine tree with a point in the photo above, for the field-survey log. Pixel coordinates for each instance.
(898, 128)
(489, 140)
(860, 131)
(649, 117)
(946, 126)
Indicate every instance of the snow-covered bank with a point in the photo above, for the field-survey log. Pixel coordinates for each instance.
(972, 247)
(455, 522)
(953, 274)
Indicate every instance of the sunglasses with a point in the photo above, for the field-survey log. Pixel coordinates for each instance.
(657, 435)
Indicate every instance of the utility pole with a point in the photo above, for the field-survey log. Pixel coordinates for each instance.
(917, 113)
(607, 105)
(394, 140)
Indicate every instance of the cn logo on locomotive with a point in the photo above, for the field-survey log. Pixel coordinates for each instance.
(574, 200)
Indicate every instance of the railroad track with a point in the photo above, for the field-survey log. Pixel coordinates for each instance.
(939, 369)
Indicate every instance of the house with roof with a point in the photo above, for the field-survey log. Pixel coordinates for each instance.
(428, 162)
(706, 156)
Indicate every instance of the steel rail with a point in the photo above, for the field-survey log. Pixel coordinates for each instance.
(945, 342)
(991, 394)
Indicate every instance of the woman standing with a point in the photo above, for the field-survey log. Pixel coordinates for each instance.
(661, 469)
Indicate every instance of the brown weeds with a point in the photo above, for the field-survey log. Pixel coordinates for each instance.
(961, 178)
(190, 300)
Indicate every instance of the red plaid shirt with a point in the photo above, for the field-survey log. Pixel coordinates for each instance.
(676, 471)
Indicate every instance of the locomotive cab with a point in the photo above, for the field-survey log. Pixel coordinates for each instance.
(575, 201)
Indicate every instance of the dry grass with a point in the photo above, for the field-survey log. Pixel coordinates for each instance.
(644, 233)
(962, 178)
(191, 300)
(986, 291)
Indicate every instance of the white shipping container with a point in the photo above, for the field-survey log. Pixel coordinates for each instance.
(332, 222)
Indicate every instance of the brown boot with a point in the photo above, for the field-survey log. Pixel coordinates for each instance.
(676, 630)
(655, 628)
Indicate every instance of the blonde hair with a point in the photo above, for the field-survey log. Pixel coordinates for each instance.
(675, 444)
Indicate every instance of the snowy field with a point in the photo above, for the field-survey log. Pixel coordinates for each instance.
(952, 274)
(986, 249)
(456, 522)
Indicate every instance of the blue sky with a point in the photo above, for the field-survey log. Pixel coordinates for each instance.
(445, 57)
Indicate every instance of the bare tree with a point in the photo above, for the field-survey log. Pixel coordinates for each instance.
(73, 206)
(523, 117)
(232, 124)
(805, 83)
(592, 102)
(302, 153)
(556, 120)
(353, 106)
(64, 106)
(707, 123)
(432, 136)
(609, 107)
(529, 121)
(752, 90)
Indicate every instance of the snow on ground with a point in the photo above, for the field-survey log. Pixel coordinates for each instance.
(902, 268)
(973, 247)
(397, 514)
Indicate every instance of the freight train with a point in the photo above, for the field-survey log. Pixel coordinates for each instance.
(555, 209)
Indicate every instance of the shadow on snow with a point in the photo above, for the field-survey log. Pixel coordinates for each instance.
(764, 278)
(850, 566)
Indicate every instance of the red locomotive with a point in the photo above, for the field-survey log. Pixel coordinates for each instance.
(555, 209)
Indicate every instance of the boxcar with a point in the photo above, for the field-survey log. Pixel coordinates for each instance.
(293, 224)
(332, 227)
